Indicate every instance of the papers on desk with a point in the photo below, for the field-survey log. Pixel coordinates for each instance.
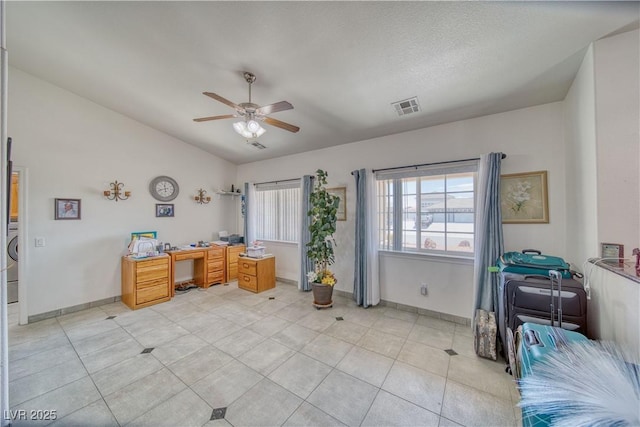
(220, 243)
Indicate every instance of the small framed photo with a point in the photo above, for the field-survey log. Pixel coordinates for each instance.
(67, 208)
(164, 210)
(524, 199)
(341, 192)
(612, 254)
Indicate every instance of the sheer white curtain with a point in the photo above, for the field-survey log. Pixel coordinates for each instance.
(366, 285)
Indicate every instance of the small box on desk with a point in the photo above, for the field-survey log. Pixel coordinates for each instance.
(255, 251)
(233, 239)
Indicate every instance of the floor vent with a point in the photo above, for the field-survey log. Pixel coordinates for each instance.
(408, 106)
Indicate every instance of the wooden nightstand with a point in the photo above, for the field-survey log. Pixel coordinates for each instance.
(257, 274)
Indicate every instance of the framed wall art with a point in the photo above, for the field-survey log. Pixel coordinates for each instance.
(524, 198)
(164, 210)
(145, 234)
(67, 208)
(612, 253)
(341, 192)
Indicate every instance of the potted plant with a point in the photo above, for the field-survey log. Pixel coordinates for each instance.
(323, 210)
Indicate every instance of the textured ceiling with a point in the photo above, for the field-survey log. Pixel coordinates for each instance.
(341, 64)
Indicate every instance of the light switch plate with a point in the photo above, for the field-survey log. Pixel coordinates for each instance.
(40, 242)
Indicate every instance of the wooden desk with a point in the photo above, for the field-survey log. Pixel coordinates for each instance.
(208, 265)
(145, 281)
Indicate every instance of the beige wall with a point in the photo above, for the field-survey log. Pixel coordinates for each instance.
(532, 139)
(617, 89)
(72, 148)
(602, 115)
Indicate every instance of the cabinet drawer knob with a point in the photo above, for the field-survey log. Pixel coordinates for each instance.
(246, 279)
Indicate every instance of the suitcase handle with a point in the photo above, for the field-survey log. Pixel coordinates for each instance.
(532, 338)
(535, 251)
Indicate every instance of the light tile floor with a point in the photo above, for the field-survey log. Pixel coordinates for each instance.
(269, 359)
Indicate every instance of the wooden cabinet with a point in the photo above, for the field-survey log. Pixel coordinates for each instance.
(13, 212)
(145, 281)
(216, 257)
(232, 261)
(257, 274)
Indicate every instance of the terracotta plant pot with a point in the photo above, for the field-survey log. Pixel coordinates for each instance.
(322, 294)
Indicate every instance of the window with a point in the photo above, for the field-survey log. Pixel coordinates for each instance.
(277, 211)
(429, 210)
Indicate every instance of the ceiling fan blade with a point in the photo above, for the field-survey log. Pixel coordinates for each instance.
(281, 125)
(223, 100)
(206, 119)
(274, 108)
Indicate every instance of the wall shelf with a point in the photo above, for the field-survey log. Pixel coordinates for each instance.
(227, 193)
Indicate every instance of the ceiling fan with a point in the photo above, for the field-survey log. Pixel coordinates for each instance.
(252, 113)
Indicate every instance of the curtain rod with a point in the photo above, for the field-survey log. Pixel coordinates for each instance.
(278, 181)
(504, 156)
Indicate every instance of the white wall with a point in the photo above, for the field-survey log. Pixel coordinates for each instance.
(73, 148)
(617, 67)
(613, 311)
(582, 190)
(533, 140)
(602, 115)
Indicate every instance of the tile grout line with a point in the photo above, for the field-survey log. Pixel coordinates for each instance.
(90, 377)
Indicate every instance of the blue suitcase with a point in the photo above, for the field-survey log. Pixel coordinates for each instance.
(532, 262)
(533, 342)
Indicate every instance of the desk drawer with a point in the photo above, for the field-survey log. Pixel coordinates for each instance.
(247, 267)
(232, 272)
(152, 293)
(151, 283)
(148, 272)
(247, 282)
(213, 266)
(215, 277)
(215, 253)
(189, 255)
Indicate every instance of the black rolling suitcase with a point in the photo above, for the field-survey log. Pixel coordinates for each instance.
(525, 298)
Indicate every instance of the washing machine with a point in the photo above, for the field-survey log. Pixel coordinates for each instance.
(12, 253)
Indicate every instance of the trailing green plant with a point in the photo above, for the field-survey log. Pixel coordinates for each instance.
(323, 217)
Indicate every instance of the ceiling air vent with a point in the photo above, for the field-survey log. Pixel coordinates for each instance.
(408, 106)
(257, 145)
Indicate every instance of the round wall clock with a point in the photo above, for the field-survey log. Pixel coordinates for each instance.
(164, 188)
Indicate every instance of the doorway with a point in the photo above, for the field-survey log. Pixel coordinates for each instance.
(12, 242)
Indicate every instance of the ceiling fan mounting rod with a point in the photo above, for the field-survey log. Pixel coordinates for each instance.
(250, 78)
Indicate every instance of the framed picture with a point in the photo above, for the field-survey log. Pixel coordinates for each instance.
(612, 253)
(341, 192)
(524, 198)
(164, 210)
(147, 234)
(67, 208)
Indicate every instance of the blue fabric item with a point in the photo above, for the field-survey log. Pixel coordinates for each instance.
(306, 265)
(360, 270)
(489, 241)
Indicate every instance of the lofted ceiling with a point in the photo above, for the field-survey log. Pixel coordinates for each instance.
(341, 64)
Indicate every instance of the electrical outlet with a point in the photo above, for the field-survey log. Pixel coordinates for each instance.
(40, 242)
(423, 289)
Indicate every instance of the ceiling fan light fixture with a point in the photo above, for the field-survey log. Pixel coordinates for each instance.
(246, 129)
(253, 126)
